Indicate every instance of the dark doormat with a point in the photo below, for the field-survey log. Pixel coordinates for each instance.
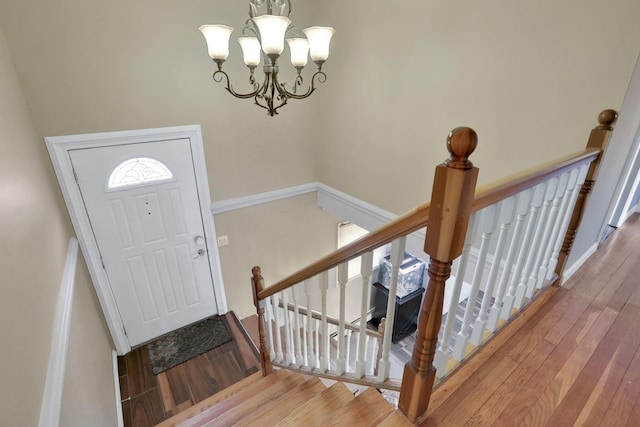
(186, 343)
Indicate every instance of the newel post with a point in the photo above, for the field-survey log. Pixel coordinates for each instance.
(599, 138)
(257, 284)
(451, 201)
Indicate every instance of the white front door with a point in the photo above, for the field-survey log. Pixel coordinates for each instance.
(145, 214)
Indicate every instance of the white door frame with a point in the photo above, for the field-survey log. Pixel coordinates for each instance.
(59, 146)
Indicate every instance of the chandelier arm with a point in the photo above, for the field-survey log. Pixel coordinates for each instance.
(318, 76)
(219, 75)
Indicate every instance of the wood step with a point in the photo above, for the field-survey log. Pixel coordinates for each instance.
(272, 407)
(248, 399)
(367, 409)
(314, 410)
(396, 419)
(287, 398)
(213, 400)
(232, 396)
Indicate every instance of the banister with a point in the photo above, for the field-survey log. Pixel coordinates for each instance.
(417, 218)
(411, 221)
(508, 186)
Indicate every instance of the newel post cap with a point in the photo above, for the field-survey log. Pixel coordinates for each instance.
(461, 143)
(606, 119)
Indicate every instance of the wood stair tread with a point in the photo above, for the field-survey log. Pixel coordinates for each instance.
(237, 394)
(315, 409)
(395, 419)
(276, 409)
(213, 400)
(287, 398)
(368, 408)
(248, 402)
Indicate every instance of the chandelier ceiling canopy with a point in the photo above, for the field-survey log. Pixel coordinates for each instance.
(263, 40)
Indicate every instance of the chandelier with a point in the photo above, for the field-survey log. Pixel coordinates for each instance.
(267, 33)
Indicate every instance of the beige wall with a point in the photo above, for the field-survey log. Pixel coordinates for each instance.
(96, 66)
(35, 232)
(274, 237)
(530, 77)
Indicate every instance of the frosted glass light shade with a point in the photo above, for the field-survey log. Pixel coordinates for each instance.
(217, 37)
(299, 48)
(272, 29)
(250, 50)
(319, 39)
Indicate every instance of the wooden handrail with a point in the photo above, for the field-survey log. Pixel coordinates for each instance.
(411, 221)
(508, 186)
(417, 218)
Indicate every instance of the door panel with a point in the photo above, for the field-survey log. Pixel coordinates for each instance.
(147, 237)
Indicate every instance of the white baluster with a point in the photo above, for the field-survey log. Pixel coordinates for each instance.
(343, 277)
(443, 353)
(373, 343)
(348, 345)
(270, 325)
(324, 339)
(507, 209)
(488, 224)
(542, 231)
(311, 356)
(289, 351)
(274, 304)
(575, 191)
(316, 330)
(397, 256)
(557, 215)
(520, 274)
(366, 264)
(525, 199)
(296, 327)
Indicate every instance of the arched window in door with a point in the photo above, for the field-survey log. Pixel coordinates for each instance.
(137, 171)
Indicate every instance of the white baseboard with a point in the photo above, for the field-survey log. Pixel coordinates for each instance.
(571, 270)
(54, 384)
(116, 382)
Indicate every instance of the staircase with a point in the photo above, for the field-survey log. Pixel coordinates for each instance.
(287, 398)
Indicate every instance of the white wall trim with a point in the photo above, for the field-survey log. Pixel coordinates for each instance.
(628, 214)
(260, 198)
(54, 383)
(345, 206)
(116, 382)
(365, 215)
(571, 270)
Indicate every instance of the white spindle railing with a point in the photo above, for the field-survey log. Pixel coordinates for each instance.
(511, 266)
(327, 337)
(510, 253)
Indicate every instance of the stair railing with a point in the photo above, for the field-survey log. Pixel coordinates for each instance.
(520, 232)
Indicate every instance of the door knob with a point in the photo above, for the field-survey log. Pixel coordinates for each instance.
(199, 240)
(199, 253)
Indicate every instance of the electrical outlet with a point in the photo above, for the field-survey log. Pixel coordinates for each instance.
(223, 241)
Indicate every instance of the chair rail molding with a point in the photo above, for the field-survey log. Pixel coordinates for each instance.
(54, 384)
(345, 206)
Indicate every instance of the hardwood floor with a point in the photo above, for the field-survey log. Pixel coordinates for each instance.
(148, 399)
(575, 362)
